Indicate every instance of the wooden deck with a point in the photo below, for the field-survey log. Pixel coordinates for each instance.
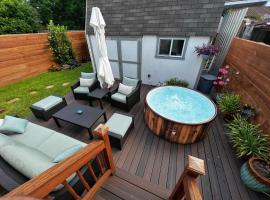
(146, 158)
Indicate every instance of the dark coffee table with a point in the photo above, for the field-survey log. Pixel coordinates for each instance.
(98, 94)
(86, 120)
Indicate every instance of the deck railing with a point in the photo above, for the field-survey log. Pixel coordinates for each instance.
(98, 150)
(187, 187)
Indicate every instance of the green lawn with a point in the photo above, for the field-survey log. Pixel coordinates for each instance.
(31, 90)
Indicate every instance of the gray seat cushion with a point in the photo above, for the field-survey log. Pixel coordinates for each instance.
(119, 124)
(48, 102)
(88, 75)
(130, 82)
(119, 97)
(81, 90)
(26, 160)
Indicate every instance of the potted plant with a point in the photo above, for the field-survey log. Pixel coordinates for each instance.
(249, 142)
(222, 78)
(207, 51)
(230, 105)
(248, 112)
(177, 82)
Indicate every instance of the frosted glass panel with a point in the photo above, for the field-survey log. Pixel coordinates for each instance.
(129, 50)
(112, 49)
(115, 69)
(130, 70)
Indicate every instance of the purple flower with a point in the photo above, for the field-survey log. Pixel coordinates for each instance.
(210, 50)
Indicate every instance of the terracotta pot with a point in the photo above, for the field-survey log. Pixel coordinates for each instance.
(252, 179)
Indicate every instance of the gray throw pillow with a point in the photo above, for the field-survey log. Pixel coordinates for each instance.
(88, 75)
(13, 125)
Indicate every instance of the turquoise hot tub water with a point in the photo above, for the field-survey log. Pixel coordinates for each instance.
(181, 105)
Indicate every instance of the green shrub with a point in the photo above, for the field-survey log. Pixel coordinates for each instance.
(177, 82)
(248, 139)
(60, 44)
(229, 103)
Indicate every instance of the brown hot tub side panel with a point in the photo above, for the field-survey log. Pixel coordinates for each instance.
(173, 131)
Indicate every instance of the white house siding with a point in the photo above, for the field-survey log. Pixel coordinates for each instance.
(163, 69)
(160, 69)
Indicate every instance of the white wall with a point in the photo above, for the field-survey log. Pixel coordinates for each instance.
(162, 69)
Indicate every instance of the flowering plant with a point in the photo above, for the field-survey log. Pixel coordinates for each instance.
(210, 50)
(223, 77)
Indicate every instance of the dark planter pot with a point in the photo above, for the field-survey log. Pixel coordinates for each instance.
(252, 179)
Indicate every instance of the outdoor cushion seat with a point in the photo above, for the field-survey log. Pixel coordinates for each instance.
(119, 125)
(119, 97)
(48, 102)
(130, 81)
(45, 108)
(127, 101)
(81, 90)
(34, 151)
(26, 160)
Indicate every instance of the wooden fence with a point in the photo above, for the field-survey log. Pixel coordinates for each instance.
(26, 55)
(252, 60)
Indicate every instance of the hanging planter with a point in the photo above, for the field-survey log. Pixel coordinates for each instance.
(207, 51)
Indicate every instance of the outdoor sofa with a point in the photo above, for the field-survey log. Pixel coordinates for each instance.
(25, 155)
(124, 101)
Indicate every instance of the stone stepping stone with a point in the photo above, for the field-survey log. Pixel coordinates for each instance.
(49, 86)
(65, 84)
(2, 110)
(33, 93)
(13, 100)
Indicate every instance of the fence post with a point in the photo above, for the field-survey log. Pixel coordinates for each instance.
(187, 186)
(102, 131)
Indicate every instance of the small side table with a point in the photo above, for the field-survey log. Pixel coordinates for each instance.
(98, 94)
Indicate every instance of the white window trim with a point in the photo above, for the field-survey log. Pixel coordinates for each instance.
(171, 56)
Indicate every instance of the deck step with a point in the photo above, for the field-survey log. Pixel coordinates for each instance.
(126, 186)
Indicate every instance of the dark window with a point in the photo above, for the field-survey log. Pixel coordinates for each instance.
(171, 47)
(164, 47)
(177, 47)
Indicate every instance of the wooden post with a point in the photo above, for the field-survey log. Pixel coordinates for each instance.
(102, 131)
(187, 185)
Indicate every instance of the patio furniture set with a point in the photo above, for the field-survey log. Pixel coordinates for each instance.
(28, 149)
(88, 88)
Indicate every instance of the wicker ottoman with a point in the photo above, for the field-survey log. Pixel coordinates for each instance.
(119, 127)
(45, 108)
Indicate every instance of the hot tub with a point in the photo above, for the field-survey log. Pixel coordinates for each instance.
(179, 114)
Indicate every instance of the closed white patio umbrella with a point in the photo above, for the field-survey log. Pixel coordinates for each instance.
(104, 71)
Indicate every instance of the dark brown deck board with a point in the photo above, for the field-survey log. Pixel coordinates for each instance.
(172, 167)
(151, 160)
(145, 156)
(206, 191)
(158, 162)
(161, 163)
(165, 165)
(219, 167)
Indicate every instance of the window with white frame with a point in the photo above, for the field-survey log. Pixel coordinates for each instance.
(171, 47)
